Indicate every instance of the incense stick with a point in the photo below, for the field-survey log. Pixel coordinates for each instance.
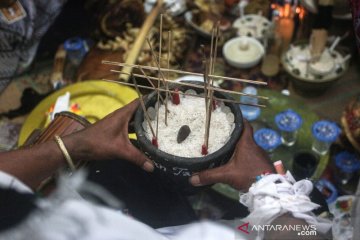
(168, 73)
(205, 67)
(184, 72)
(159, 66)
(216, 46)
(213, 53)
(211, 50)
(193, 95)
(211, 83)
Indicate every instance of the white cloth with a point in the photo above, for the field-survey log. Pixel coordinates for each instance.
(80, 220)
(274, 195)
(8, 181)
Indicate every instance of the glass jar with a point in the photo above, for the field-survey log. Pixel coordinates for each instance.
(267, 139)
(250, 113)
(288, 122)
(324, 133)
(347, 164)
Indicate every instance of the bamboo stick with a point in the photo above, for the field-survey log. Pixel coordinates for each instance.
(197, 86)
(183, 72)
(193, 95)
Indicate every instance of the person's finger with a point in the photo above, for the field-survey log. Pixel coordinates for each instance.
(135, 156)
(210, 176)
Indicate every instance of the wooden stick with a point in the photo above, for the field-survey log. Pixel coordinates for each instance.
(197, 86)
(193, 95)
(139, 42)
(143, 107)
(183, 72)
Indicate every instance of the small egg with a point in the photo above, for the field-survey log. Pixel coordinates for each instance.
(152, 113)
(230, 117)
(226, 109)
(190, 92)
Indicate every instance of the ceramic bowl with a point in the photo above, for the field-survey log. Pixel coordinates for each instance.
(176, 170)
(243, 52)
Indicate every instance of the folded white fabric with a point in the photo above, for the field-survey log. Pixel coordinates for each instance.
(274, 195)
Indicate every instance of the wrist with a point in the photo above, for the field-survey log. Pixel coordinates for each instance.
(259, 170)
(79, 148)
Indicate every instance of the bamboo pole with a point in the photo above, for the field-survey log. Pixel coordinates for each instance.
(139, 42)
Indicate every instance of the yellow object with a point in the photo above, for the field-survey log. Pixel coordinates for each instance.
(64, 151)
(96, 98)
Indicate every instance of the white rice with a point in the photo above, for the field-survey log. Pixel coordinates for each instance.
(191, 112)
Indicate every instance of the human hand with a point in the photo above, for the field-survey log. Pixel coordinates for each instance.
(108, 139)
(247, 162)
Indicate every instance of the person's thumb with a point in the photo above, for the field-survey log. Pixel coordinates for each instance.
(135, 156)
(210, 176)
(132, 107)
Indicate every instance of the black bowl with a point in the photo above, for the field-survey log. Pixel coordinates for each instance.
(311, 88)
(175, 170)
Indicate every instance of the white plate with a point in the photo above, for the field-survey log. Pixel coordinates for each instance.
(255, 26)
(194, 78)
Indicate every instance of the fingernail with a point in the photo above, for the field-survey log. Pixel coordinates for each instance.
(148, 166)
(195, 180)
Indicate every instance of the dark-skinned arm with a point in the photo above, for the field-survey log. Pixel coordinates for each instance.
(107, 139)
